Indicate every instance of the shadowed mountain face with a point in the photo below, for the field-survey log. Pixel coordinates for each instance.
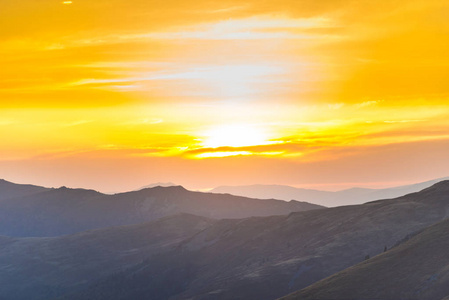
(268, 257)
(43, 268)
(330, 199)
(416, 269)
(11, 190)
(64, 211)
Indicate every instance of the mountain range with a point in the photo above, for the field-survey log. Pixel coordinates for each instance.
(326, 198)
(35, 211)
(385, 249)
(268, 257)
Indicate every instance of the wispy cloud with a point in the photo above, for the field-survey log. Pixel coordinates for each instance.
(258, 27)
(402, 121)
(367, 103)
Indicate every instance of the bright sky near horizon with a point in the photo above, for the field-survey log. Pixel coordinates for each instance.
(117, 94)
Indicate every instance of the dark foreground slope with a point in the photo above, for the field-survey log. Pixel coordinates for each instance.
(65, 211)
(44, 268)
(416, 269)
(268, 257)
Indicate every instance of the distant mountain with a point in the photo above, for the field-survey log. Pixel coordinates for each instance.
(11, 190)
(268, 257)
(62, 211)
(44, 268)
(152, 185)
(330, 199)
(416, 269)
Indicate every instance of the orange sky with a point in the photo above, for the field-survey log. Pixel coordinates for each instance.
(117, 94)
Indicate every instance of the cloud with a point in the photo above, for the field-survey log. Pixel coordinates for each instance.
(367, 103)
(403, 121)
(258, 27)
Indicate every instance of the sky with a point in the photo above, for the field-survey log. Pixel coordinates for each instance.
(117, 94)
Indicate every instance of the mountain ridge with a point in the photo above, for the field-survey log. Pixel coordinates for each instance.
(351, 196)
(10, 190)
(61, 211)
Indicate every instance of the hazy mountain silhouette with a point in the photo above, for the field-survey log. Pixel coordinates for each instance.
(268, 257)
(61, 211)
(330, 199)
(416, 269)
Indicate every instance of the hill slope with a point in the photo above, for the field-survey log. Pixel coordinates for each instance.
(65, 211)
(416, 269)
(43, 268)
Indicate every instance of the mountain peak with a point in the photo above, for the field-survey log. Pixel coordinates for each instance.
(3, 181)
(172, 187)
(156, 184)
(66, 190)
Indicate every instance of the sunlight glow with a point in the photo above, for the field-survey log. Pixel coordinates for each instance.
(222, 154)
(236, 153)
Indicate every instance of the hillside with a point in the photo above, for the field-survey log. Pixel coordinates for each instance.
(416, 269)
(62, 211)
(43, 268)
(268, 257)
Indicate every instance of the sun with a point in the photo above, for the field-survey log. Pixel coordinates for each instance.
(235, 135)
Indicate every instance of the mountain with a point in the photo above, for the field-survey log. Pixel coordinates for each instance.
(11, 190)
(152, 185)
(62, 211)
(330, 199)
(416, 269)
(283, 192)
(44, 268)
(269, 257)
